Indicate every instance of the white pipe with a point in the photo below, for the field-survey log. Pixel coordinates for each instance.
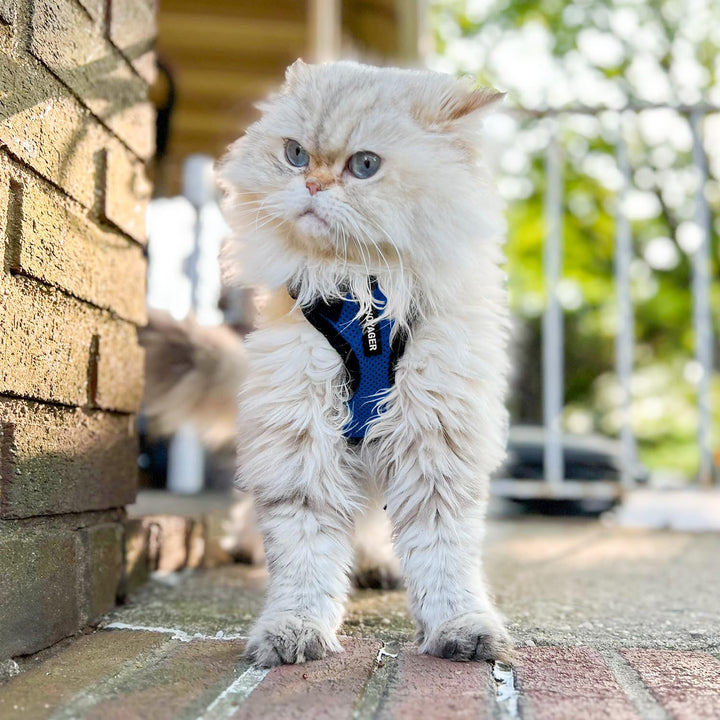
(553, 335)
(186, 462)
(186, 455)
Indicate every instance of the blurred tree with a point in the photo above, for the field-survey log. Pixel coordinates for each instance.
(603, 54)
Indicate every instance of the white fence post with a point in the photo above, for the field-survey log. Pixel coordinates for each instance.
(553, 330)
(624, 340)
(702, 320)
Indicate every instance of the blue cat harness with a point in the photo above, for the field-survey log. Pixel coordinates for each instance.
(365, 347)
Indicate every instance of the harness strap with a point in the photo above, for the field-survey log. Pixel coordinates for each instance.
(364, 345)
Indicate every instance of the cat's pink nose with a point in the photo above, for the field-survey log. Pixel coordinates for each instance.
(313, 186)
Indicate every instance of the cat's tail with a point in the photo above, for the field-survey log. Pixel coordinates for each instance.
(193, 374)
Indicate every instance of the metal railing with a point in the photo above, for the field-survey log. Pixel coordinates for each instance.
(552, 356)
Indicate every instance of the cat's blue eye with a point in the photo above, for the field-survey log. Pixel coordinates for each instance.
(363, 164)
(296, 154)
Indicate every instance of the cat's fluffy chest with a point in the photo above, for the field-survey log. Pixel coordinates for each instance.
(287, 352)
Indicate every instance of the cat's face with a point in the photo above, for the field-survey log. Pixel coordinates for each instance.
(352, 163)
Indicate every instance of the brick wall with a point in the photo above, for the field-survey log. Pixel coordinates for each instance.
(75, 134)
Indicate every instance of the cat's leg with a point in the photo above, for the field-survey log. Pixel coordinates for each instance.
(293, 458)
(376, 565)
(441, 436)
(439, 535)
(309, 556)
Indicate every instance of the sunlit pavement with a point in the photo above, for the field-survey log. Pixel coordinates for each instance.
(610, 623)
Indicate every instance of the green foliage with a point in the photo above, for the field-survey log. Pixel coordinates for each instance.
(680, 60)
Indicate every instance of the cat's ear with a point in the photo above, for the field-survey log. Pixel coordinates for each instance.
(294, 73)
(462, 101)
(454, 101)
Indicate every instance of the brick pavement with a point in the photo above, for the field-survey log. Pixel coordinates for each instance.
(133, 674)
(175, 650)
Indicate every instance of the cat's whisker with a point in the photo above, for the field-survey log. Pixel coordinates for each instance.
(356, 234)
(380, 253)
(252, 206)
(392, 243)
(268, 205)
(251, 219)
(246, 212)
(247, 202)
(339, 238)
(268, 221)
(257, 214)
(398, 254)
(345, 250)
(355, 224)
(361, 248)
(343, 235)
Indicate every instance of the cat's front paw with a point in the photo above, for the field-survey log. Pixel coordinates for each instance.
(472, 636)
(285, 638)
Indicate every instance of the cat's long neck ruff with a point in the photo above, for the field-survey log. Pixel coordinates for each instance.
(414, 287)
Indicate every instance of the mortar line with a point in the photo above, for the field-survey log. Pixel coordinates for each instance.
(114, 315)
(7, 463)
(375, 690)
(88, 697)
(177, 633)
(507, 695)
(68, 521)
(227, 702)
(107, 226)
(9, 395)
(631, 683)
(14, 225)
(85, 11)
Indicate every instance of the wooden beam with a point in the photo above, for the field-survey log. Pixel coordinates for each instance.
(233, 84)
(325, 29)
(200, 122)
(267, 62)
(201, 31)
(246, 9)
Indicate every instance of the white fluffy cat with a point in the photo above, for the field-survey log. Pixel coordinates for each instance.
(355, 172)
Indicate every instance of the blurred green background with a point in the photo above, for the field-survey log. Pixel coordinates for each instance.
(603, 55)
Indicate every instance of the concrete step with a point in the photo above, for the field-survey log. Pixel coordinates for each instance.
(167, 533)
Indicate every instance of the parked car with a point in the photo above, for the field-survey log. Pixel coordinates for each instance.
(591, 479)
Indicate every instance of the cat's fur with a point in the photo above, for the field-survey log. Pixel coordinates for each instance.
(429, 226)
(193, 374)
